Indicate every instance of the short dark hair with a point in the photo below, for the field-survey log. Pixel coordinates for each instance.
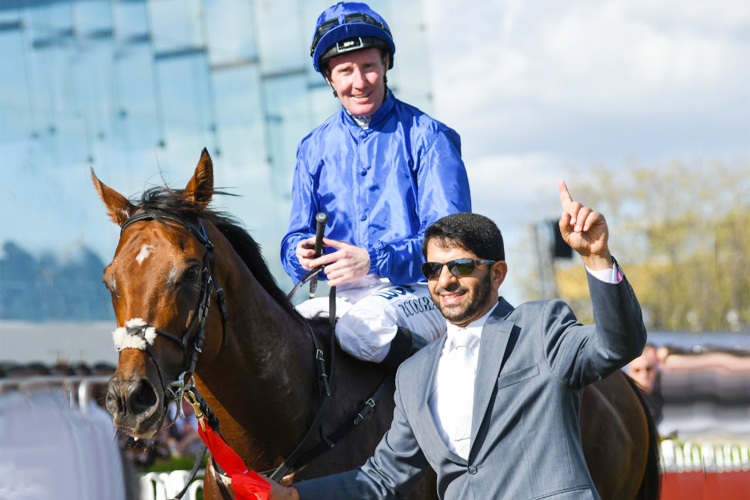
(473, 232)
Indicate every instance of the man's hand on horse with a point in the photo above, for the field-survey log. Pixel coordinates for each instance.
(585, 230)
(279, 492)
(347, 263)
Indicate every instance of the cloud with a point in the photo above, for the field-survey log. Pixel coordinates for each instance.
(537, 89)
(503, 185)
(541, 90)
(556, 77)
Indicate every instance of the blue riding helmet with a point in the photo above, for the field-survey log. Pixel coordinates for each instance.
(347, 27)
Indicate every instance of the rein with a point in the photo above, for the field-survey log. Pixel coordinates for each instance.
(183, 386)
(297, 459)
(324, 384)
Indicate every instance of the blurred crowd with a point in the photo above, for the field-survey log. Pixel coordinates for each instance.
(710, 379)
(646, 371)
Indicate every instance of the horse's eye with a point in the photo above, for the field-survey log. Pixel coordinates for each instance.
(191, 275)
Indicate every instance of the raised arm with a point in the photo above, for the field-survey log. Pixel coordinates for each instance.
(580, 354)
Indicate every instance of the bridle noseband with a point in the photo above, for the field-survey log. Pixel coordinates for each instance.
(144, 335)
(196, 329)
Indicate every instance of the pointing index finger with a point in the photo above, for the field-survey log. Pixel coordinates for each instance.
(565, 198)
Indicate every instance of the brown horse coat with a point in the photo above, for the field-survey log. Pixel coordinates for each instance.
(258, 374)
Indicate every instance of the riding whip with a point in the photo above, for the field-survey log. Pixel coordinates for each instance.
(321, 218)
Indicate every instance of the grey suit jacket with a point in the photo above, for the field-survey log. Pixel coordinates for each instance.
(534, 361)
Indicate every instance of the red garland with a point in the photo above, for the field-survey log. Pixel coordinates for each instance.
(247, 485)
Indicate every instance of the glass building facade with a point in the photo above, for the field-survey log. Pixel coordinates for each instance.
(136, 88)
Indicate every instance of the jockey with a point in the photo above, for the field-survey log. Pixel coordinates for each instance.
(383, 171)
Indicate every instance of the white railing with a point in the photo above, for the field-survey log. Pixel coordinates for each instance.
(166, 485)
(707, 456)
(77, 387)
(78, 390)
(53, 449)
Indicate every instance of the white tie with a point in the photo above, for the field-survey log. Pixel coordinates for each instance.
(462, 390)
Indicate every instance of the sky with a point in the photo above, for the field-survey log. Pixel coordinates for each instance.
(538, 90)
(542, 90)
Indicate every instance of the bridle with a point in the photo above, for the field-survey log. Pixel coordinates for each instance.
(184, 383)
(175, 390)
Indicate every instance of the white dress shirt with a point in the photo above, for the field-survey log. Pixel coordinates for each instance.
(444, 411)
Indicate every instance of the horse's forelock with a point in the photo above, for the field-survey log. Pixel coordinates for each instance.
(163, 200)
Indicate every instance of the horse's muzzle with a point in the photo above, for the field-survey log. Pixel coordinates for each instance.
(135, 405)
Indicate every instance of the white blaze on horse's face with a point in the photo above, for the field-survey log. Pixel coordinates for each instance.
(146, 250)
(129, 336)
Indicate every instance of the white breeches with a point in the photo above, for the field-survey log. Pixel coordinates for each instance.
(370, 316)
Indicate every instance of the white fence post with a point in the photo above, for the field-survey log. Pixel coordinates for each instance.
(193, 490)
(166, 485)
(152, 487)
(709, 457)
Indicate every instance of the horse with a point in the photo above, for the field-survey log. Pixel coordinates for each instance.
(186, 277)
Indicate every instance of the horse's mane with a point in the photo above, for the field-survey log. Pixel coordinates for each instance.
(165, 201)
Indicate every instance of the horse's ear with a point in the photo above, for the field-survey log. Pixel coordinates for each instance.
(201, 186)
(118, 207)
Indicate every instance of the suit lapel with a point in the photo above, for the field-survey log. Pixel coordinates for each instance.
(425, 379)
(424, 385)
(495, 336)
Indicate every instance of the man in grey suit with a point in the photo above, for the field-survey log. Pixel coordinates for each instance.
(516, 435)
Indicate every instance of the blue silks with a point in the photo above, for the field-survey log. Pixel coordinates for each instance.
(381, 187)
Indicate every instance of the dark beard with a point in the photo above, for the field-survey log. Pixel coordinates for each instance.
(478, 300)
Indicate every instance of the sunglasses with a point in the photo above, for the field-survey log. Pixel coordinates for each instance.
(458, 267)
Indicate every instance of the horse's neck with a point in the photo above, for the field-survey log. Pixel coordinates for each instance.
(262, 382)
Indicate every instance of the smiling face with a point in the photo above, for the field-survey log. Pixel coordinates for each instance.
(358, 79)
(463, 299)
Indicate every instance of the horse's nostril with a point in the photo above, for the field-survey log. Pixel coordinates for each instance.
(143, 398)
(113, 403)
